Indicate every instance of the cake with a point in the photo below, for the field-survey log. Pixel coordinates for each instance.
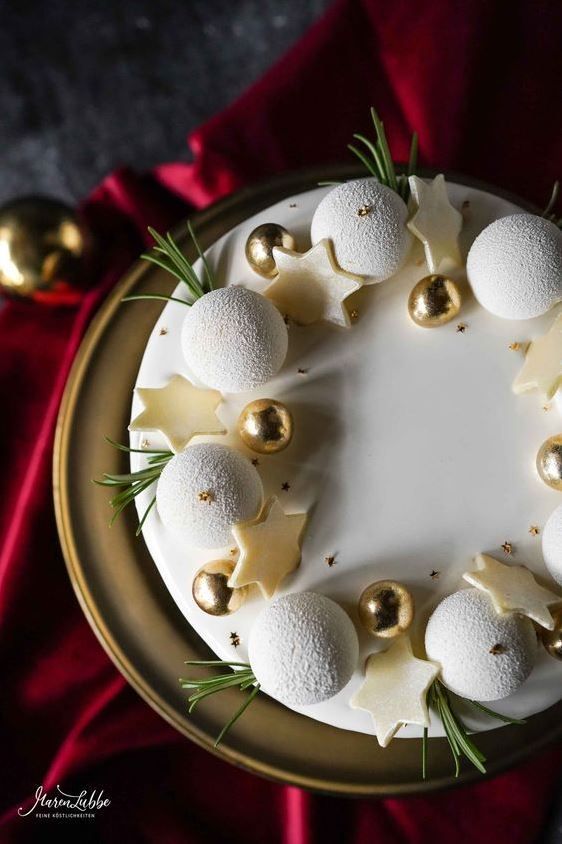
(409, 460)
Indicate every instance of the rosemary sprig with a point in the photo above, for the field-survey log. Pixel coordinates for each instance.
(239, 674)
(457, 736)
(167, 255)
(377, 160)
(548, 212)
(133, 483)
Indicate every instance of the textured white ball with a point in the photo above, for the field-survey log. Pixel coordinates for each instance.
(303, 648)
(461, 635)
(552, 544)
(366, 223)
(234, 339)
(515, 266)
(206, 489)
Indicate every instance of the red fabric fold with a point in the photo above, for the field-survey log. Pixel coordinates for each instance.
(480, 82)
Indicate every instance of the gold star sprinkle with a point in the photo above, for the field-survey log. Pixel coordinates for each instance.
(206, 496)
(330, 560)
(145, 444)
(507, 548)
(285, 486)
(234, 640)
(546, 407)
(497, 649)
(434, 575)
(514, 347)
(461, 327)
(234, 551)
(534, 530)
(163, 332)
(364, 210)
(354, 315)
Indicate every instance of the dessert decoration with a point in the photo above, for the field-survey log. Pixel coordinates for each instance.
(542, 369)
(366, 222)
(259, 247)
(234, 339)
(179, 411)
(386, 609)
(549, 462)
(303, 649)
(552, 639)
(204, 490)
(513, 589)
(515, 266)
(434, 301)
(483, 655)
(436, 222)
(552, 544)
(395, 690)
(269, 548)
(211, 591)
(266, 426)
(310, 287)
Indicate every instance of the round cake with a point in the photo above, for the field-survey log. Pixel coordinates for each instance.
(411, 459)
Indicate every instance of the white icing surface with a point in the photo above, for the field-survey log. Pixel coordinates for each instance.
(303, 648)
(515, 266)
(411, 453)
(234, 340)
(552, 544)
(460, 636)
(373, 245)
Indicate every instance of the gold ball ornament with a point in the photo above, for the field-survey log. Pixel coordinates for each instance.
(259, 247)
(211, 591)
(42, 243)
(386, 609)
(434, 301)
(549, 462)
(552, 639)
(266, 426)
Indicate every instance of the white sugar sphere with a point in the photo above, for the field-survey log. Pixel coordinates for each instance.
(234, 339)
(303, 649)
(461, 636)
(552, 544)
(515, 266)
(206, 489)
(366, 222)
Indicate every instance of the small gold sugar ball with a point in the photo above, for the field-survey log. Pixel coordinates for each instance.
(386, 609)
(211, 591)
(266, 426)
(259, 247)
(552, 639)
(434, 301)
(549, 462)
(41, 244)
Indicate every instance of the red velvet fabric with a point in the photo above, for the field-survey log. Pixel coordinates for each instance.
(481, 82)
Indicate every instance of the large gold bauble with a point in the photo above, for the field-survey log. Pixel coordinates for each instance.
(211, 591)
(266, 426)
(41, 243)
(259, 247)
(552, 639)
(549, 462)
(434, 301)
(386, 609)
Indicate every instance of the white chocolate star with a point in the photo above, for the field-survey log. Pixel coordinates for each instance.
(513, 589)
(395, 689)
(310, 287)
(436, 223)
(269, 548)
(178, 411)
(542, 369)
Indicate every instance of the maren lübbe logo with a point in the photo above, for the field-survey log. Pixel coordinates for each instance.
(63, 805)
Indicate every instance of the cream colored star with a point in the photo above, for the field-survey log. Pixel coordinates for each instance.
(436, 223)
(395, 689)
(310, 287)
(542, 369)
(178, 411)
(513, 589)
(269, 548)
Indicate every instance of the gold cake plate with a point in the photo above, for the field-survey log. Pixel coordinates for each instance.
(130, 609)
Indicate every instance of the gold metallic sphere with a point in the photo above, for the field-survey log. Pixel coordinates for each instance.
(266, 426)
(260, 244)
(552, 639)
(549, 462)
(211, 591)
(386, 609)
(41, 243)
(434, 301)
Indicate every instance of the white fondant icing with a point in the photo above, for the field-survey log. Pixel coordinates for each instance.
(552, 544)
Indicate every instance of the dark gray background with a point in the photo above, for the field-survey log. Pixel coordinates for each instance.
(88, 86)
